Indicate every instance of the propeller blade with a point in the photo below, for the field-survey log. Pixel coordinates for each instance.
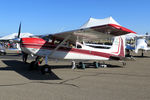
(17, 38)
(19, 30)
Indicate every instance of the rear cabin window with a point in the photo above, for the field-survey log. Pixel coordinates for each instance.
(79, 46)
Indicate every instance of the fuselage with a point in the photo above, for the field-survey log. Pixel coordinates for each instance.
(40, 47)
(141, 44)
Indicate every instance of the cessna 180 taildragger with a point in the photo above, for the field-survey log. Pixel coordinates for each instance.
(71, 44)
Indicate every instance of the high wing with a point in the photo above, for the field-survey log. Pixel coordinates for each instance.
(142, 36)
(93, 33)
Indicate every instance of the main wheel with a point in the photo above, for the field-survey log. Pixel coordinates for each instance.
(45, 69)
(33, 65)
(142, 54)
(82, 65)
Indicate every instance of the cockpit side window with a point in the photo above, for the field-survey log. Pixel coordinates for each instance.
(79, 46)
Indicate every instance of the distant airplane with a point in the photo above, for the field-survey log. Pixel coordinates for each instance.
(140, 44)
(2, 50)
(14, 35)
(71, 44)
(11, 37)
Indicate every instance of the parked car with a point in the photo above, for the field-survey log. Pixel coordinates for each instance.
(2, 50)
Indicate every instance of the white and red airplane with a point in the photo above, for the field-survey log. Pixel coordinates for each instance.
(71, 44)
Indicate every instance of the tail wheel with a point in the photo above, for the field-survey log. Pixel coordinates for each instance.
(123, 63)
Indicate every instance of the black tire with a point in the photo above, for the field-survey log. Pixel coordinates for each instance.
(96, 65)
(4, 53)
(81, 65)
(142, 54)
(33, 65)
(45, 69)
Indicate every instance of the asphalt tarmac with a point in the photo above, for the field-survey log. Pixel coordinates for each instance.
(131, 82)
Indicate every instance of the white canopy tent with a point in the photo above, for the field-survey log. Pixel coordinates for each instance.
(131, 36)
(92, 22)
(14, 35)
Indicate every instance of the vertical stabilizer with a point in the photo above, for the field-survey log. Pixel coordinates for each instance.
(118, 46)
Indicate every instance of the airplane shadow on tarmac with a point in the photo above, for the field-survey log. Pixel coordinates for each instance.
(23, 69)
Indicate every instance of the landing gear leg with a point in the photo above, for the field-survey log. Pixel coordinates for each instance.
(142, 53)
(46, 69)
(24, 57)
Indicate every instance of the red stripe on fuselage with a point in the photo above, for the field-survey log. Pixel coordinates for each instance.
(64, 49)
(42, 44)
(122, 53)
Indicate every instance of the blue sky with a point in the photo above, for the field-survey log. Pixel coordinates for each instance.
(50, 16)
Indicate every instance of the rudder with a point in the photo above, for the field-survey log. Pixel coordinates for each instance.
(118, 46)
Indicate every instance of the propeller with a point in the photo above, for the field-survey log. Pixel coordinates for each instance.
(17, 39)
(19, 31)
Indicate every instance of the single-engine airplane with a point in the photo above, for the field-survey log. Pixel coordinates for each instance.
(140, 44)
(71, 45)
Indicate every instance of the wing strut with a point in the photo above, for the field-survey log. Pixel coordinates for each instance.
(59, 45)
